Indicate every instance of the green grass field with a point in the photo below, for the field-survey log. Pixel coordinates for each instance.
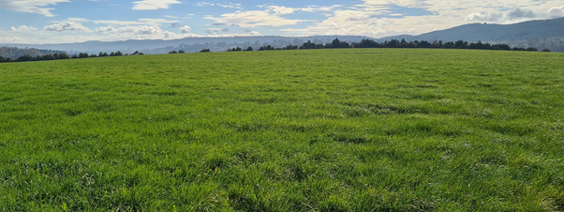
(320, 130)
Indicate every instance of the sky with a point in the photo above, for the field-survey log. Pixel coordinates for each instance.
(69, 21)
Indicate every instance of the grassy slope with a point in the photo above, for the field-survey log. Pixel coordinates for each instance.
(330, 130)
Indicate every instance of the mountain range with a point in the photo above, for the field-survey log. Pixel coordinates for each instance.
(539, 33)
(539, 29)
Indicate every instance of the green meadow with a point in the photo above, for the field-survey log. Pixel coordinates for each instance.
(303, 130)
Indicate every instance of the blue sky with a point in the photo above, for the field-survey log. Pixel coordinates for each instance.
(65, 21)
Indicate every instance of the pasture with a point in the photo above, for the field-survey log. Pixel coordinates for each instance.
(303, 130)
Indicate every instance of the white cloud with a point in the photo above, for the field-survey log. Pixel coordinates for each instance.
(23, 28)
(106, 29)
(141, 30)
(77, 19)
(212, 31)
(203, 4)
(253, 18)
(556, 12)
(107, 33)
(484, 16)
(142, 21)
(521, 13)
(153, 4)
(31, 6)
(186, 29)
(231, 5)
(282, 10)
(505, 17)
(226, 5)
(138, 30)
(66, 26)
(360, 18)
(375, 18)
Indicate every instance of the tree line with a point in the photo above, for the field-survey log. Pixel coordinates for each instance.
(201, 51)
(336, 44)
(367, 43)
(62, 56)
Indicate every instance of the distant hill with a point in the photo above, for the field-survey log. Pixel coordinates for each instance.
(15, 53)
(213, 43)
(494, 32)
(540, 34)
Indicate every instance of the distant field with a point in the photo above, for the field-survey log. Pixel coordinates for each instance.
(319, 130)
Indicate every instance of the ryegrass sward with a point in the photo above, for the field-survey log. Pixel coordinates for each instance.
(320, 130)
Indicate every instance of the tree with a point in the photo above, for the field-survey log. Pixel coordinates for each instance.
(403, 43)
(290, 47)
(205, 50)
(546, 50)
(118, 53)
(25, 58)
(437, 44)
(487, 46)
(424, 44)
(173, 52)
(250, 49)
(309, 45)
(366, 43)
(7, 60)
(479, 45)
(82, 55)
(181, 51)
(393, 43)
(460, 44)
(235, 49)
(63, 56)
(501, 47)
(448, 45)
(336, 43)
(47, 57)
